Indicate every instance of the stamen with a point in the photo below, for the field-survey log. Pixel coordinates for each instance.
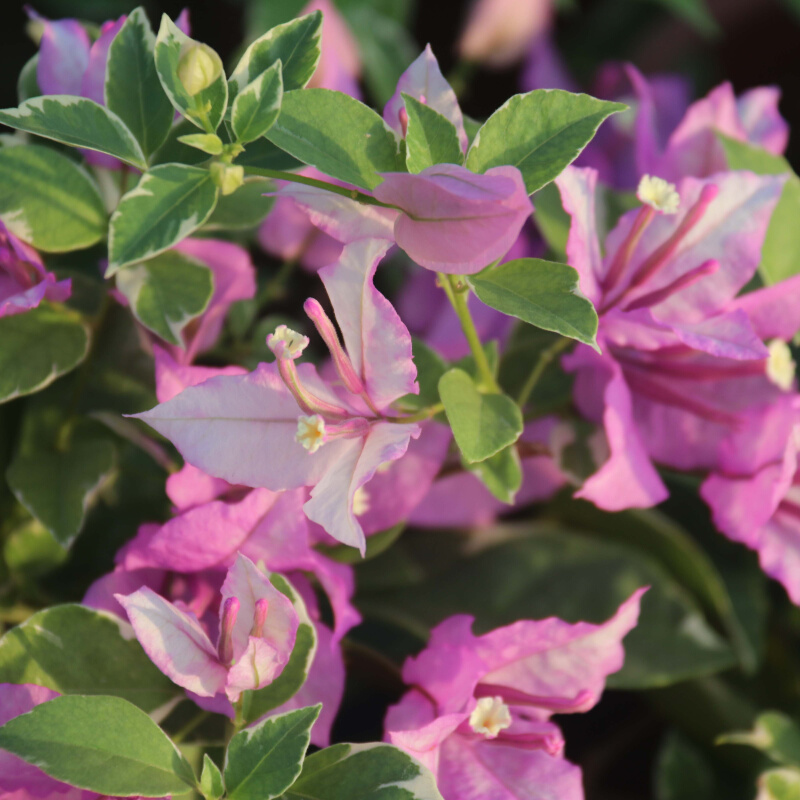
(780, 365)
(286, 343)
(623, 255)
(659, 295)
(230, 610)
(311, 432)
(663, 253)
(260, 618)
(308, 402)
(658, 194)
(329, 335)
(490, 716)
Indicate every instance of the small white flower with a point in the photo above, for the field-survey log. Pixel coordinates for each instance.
(658, 194)
(361, 501)
(490, 716)
(311, 432)
(286, 343)
(780, 365)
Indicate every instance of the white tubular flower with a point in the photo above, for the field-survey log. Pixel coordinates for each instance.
(780, 365)
(311, 432)
(490, 716)
(658, 194)
(286, 343)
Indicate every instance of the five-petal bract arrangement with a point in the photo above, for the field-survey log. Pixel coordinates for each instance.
(296, 523)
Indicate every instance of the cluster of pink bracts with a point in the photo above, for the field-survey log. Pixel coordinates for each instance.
(691, 375)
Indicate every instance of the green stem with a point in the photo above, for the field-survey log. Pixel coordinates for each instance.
(545, 358)
(196, 720)
(457, 295)
(353, 194)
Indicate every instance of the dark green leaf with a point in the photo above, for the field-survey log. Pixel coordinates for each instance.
(38, 347)
(542, 293)
(264, 760)
(540, 132)
(682, 772)
(76, 121)
(501, 474)
(48, 200)
(167, 292)
(338, 135)
(483, 424)
(431, 138)
(132, 89)
(102, 744)
(243, 209)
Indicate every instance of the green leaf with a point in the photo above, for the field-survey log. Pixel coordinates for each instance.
(77, 650)
(296, 44)
(774, 734)
(205, 108)
(38, 347)
(170, 202)
(48, 200)
(211, 785)
(338, 135)
(695, 12)
(374, 771)
(101, 744)
(430, 368)
(377, 543)
(551, 220)
(540, 132)
(257, 703)
(264, 760)
(541, 293)
(780, 254)
(208, 143)
(167, 292)
(58, 486)
(779, 784)
(483, 424)
(501, 474)
(431, 138)
(682, 772)
(132, 89)
(76, 121)
(31, 551)
(245, 208)
(27, 82)
(258, 105)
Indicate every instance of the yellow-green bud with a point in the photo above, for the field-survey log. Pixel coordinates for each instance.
(198, 68)
(228, 177)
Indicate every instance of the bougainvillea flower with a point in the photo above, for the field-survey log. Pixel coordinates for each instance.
(70, 63)
(255, 637)
(24, 282)
(478, 713)
(679, 364)
(499, 32)
(339, 66)
(282, 427)
(423, 80)
(693, 147)
(755, 494)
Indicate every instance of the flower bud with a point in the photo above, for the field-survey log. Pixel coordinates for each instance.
(198, 68)
(228, 177)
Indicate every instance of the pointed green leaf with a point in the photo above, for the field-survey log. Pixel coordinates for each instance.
(76, 121)
(682, 772)
(542, 293)
(243, 209)
(208, 143)
(103, 657)
(540, 133)
(779, 784)
(431, 138)
(170, 202)
(287, 684)
(101, 744)
(264, 760)
(774, 734)
(211, 785)
(38, 347)
(48, 200)
(296, 44)
(483, 424)
(167, 292)
(206, 107)
(258, 105)
(132, 89)
(349, 771)
(338, 135)
(57, 486)
(501, 474)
